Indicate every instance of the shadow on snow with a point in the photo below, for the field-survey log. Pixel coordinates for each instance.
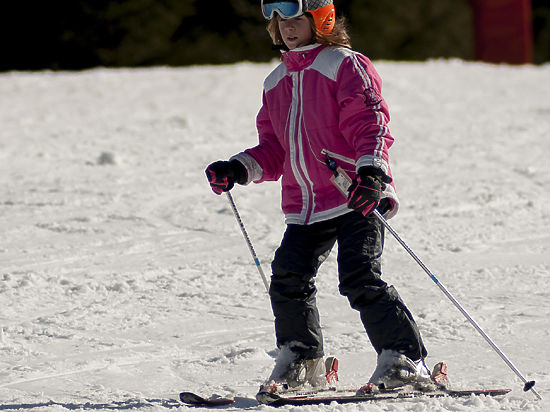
(118, 405)
(121, 405)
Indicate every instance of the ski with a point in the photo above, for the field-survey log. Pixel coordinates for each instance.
(341, 397)
(278, 400)
(370, 393)
(194, 399)
(191, 398)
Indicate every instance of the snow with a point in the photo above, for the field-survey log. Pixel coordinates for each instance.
(124, 280)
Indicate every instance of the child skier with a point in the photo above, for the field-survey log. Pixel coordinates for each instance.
(322, 108)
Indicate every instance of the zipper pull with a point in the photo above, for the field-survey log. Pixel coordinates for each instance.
(332, 165)
(340, 178)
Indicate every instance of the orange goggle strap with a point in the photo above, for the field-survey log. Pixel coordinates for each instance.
(324, 18)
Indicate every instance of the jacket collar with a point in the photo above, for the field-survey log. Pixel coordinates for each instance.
(301, 57)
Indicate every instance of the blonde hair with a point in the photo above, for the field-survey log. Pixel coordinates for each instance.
(337, 37)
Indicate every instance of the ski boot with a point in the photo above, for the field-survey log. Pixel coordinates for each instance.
(294, 374)
(394, 371)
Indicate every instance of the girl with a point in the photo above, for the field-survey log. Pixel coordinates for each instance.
(323, 118)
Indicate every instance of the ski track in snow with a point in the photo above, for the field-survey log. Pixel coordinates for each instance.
(124, 280)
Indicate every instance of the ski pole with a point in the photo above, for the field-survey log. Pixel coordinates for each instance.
(528, 385)
(247, 239)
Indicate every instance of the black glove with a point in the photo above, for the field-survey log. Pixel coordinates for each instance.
(223, 175)
(365, 191)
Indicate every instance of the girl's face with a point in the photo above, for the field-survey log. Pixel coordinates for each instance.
(296, 32)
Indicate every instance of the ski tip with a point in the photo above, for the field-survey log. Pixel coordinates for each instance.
(267, 398)
(191, 398)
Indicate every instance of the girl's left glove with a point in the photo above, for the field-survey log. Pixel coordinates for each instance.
(366, 189)
(223, 175)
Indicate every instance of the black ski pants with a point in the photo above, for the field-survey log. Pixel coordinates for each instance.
(387, 321)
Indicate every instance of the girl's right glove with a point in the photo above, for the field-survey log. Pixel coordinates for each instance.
(223, 175)
(366, 189)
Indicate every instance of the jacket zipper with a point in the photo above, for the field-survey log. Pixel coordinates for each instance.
(297, 159)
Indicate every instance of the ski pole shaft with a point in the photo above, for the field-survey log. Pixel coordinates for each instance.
(247, 239)
(528, 385)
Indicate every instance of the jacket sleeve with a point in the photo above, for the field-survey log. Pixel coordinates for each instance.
(364, 114)
(264, 161)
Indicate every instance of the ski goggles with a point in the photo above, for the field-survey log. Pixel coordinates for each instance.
(286, 9)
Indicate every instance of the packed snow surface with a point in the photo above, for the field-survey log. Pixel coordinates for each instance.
(124, 280)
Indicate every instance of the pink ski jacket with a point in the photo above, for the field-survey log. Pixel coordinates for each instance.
(319, 101)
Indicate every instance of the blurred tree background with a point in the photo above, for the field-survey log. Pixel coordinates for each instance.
(71, 34)
(541, 30)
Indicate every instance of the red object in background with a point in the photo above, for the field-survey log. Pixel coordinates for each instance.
(503, 31)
